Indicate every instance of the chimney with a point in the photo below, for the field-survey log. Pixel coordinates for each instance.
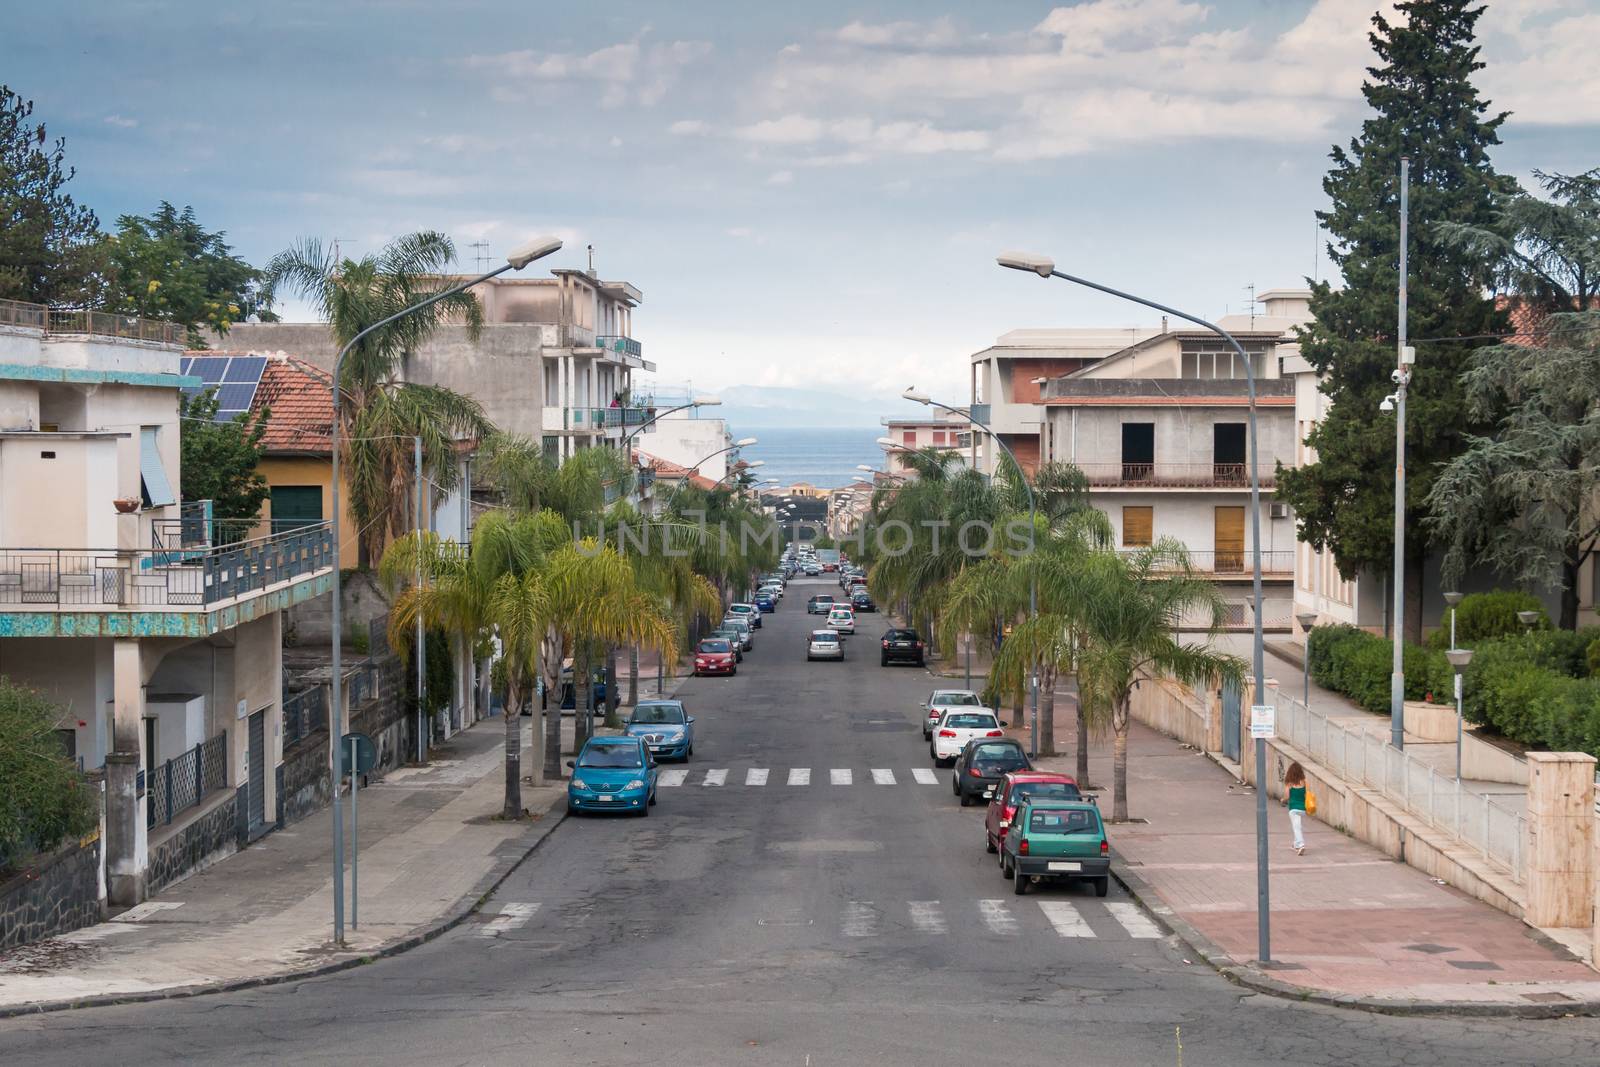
(592, 273)
(1163, 324)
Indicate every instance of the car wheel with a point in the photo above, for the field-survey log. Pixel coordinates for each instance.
(1102, 886)
(966, 799)
(921, 662)
(988, 843)
(644, 810)
(1019, 881)
(689, 753)
(883, 661)
(652, 801)
(1005, 865)
(955, 786)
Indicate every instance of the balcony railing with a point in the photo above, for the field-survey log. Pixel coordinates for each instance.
(605, 418)
(1273, 561)
(620, 346)
(184, 781)
(91, 323)
(167, 576)
(1174, 475)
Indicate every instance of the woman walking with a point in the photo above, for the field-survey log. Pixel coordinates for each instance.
(1294, 781)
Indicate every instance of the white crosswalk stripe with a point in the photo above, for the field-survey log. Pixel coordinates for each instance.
(671, 778)
(924, 776)
(925, 916)
(799, 775)
(716, 777)
(997, 917)
(860, 919)
(882, 776)
(841, 776)
(1136, 922)
(1065, 918)
(511, 917)
(755, 776)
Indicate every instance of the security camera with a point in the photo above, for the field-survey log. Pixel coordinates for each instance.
(1396, 377)
(1388, 403)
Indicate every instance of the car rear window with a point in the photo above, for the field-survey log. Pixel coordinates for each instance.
(716, 646)
(995, 752)
(901, 635)
(971, 721)
(957, 700)
(825, 637)
(1063, 790)
(1063, 822)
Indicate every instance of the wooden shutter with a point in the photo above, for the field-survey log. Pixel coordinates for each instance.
(1138, 526)
(1229, 540)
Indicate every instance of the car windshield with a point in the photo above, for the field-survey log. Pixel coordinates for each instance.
(715, 646)
(1059, 821)
(1065, 790)
(604, 756)
(956, 700)
(995, 752)
(655, 713)
(970, 721)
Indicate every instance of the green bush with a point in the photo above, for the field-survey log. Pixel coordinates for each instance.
(1483, 616)
(1358, 664)
(1592, 657)
(43, 798)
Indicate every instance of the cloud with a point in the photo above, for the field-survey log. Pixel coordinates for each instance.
(781, 177)
(860, 131)
(940, 33)
(689, 127)
(627, 72)
(739, 231)
(1539, 57)
(120, 120)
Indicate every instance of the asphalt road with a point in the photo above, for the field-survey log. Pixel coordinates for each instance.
(780, 923)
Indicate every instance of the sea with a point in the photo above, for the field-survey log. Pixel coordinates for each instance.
(826, 458)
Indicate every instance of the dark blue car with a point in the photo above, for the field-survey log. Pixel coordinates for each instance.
(665, 726)
(612, 774)
(765, 602)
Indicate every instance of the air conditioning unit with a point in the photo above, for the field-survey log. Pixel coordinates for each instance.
(1276, 510)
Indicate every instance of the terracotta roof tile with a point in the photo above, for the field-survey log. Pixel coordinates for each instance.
(300, 398)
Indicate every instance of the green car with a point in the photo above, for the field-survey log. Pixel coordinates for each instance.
(1052, 838)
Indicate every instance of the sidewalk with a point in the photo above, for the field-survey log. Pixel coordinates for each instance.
(1349, 925)
(431, 850)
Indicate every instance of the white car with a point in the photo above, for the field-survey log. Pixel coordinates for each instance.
(824, 644)
(747, 633)
(842, 620)
(748, 612)
(940, 700)
(956, 727)
(772, 589)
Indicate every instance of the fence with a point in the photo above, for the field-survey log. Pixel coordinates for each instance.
(1205, 561)
(183, 781)
(1176, 475)
(304, 714)
(1367, 758)
(95, 323)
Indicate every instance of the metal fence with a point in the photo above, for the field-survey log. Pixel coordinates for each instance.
(183, 781)
(1476, 819)
(1176, 475)
(93, 323)
(1273, 561)
(305, 713)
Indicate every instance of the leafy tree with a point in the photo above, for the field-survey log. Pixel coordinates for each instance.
(49, 245)
(1525, 498)
(379, 414)
(165, 265)
(1426, 107)
(43, 798)
(220, 459)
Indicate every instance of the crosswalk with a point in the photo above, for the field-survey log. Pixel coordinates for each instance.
(756, 777)
(995, 917)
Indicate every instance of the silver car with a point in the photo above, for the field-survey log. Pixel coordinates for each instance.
(824, 644)
(747, 634)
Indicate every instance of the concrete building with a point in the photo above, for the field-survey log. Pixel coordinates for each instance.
(157, 629)
(909, 435)
(685, 439)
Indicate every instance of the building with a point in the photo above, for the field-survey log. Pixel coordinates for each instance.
(688, 439)
(157, 628)
(909, 435)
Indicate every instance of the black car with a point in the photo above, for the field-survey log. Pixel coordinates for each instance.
(982, 764)
(862, 601)
(820, 604)
(903, 646)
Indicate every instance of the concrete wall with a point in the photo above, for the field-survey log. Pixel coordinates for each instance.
(56, 492)
(74, 672)
(1182, 434)
(688, 441)
(1189, 515)
(317, 471)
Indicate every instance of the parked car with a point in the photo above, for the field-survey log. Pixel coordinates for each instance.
(765, 601)
(939, 700)
(772, 589)
(861, 600)
(811, 568)
(715, 655)
(612, 774)
(982, 764)
(569, 691)
(665, 726)
(747, 632)
(1044, 785)
(824, 644)
(841, 619)
(1056, 839)
(956, 727)
(901, 645)
(820, 604)
(734, 638)
(749, 612)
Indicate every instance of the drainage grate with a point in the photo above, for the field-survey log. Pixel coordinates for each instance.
(1548, 998)
(1474, 965)
(1432, 950)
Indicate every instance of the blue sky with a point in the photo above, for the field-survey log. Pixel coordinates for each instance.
(808, 194)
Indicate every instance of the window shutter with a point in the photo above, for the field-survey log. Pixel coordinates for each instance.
(1137, 525)
(157, 490)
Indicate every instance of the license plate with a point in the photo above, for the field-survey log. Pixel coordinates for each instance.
(1059, 866)
(602, 798)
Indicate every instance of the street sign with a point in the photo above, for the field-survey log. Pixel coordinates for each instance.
(366, 754)
(1263, 720)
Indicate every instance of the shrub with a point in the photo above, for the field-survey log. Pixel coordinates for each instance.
(43, 798)
(1358, 664)
(1482, 616)
(1592, 657)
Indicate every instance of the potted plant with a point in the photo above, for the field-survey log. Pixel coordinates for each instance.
(126, 505)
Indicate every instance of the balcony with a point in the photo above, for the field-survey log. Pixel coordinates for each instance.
(1277, 563)
(625, 347)
(1173, 475)
(59, 321)
(595, 419)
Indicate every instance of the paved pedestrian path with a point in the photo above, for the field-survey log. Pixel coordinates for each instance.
(431, 847)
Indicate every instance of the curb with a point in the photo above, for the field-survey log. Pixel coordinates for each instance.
(1252, 978)
(463, 910)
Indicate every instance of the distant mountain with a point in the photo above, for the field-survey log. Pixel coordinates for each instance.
(761, 405)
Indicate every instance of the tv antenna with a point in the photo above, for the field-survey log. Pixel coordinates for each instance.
(481, 254)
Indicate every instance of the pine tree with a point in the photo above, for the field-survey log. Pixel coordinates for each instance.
(50, 247)
(1427, 109)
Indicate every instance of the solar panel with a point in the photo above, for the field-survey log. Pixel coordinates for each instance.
(232, 399)
(184, 364)
(209, 368)
(245, 369)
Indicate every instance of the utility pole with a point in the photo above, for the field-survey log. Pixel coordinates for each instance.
(422, 712)
(1402, 373)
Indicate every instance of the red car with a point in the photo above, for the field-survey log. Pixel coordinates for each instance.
(715, 656)
(1003, 807)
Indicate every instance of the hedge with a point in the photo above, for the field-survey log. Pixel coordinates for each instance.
(1358, 664)
(1481, 616)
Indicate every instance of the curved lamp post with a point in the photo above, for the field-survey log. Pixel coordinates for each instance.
(1045, 267)
(519, 257)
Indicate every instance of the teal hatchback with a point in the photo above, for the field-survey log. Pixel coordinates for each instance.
(612, 774)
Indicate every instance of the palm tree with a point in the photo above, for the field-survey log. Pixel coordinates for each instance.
(380, 414)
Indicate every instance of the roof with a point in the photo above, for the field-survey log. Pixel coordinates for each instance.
(667, 469)
(300, 398)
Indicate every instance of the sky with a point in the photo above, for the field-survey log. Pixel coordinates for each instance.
(809, 195)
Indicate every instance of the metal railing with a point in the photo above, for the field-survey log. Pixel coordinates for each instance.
(90, 323)
(1361, 756)
(183, 781)
(169, 575)
(1273, 561)
(305, 713)
(622, 346)
(1175, 475)
(601, 418)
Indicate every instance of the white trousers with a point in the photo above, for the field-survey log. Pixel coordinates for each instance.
(1296, 818)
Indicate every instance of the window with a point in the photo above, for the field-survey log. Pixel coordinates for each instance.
(909, 438)
(1138, 526)
(1138, 451)
(611, 756)
(657, 713)
(1062, 822)
(938, 437)
(967, 721)
(154, 487)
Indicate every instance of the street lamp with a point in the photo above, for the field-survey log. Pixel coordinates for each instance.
(1045, 267)
(1529, 619)
(519, 257)
(1033, 579)
(1459, 658)
(1308, 619)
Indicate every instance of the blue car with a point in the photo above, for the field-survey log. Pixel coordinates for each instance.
(612, 774)
(664, 726)
(765, 602)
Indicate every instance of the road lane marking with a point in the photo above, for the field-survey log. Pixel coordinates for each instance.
(926, 917)
(755, 776)
(841, 776)
(860, 919)
(671, 778)
(882, 776)
(924, 776)
(716, 777)
(799, 775)
(1065, 918)
(1136, 922)
(998, 919)
(511, 917)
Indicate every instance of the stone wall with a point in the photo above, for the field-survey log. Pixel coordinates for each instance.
(59, 893)
(211, 835)
(305, 763)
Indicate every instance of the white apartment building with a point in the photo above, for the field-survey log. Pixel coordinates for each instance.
(687, 440)
(157, 630)
(909, 435)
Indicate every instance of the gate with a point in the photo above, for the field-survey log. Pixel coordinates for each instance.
(1230, 720)
(258, 771)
